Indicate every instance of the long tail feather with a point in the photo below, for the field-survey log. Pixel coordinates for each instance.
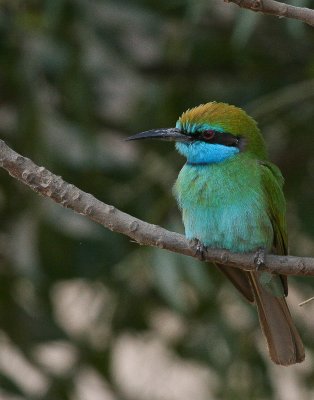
(284, 343)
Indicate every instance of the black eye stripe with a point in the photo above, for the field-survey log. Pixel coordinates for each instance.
(217, 137)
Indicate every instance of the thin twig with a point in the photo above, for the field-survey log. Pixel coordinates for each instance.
(278, 9)
(306, 301)
(67, 195)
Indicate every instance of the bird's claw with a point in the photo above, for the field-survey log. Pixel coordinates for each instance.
(200, 249)
(259, 258)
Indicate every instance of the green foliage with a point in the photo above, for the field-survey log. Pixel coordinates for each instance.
(84, 310)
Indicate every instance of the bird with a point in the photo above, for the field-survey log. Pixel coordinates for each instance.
(231, 197)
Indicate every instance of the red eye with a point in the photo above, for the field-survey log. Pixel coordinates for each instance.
(208, 134)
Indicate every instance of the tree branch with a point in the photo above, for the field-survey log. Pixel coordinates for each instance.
(278, 9)
(67, 195)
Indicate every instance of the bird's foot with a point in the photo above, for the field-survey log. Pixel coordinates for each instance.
(259, 258)
(200, 249)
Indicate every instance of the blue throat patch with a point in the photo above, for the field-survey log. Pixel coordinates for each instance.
(201, 153)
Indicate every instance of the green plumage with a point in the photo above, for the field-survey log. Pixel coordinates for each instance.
(231, 197)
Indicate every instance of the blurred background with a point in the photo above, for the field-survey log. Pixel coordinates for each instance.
(84, 312)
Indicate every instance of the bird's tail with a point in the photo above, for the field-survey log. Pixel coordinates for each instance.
(284, 343)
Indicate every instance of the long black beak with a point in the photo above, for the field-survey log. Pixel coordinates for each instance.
(172, 134)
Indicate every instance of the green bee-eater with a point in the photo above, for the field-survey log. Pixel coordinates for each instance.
(231, 197)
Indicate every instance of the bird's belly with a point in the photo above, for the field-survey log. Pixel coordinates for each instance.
(224, 214)
(234, 227)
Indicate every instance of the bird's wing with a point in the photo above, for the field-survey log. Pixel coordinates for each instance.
(272, 182)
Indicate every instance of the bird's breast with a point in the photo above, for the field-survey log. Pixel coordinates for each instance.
(223, 205)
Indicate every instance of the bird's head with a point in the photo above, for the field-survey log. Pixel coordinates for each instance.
(212, 133)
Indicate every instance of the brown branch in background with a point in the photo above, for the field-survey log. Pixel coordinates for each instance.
(278, 9)
(67, 195)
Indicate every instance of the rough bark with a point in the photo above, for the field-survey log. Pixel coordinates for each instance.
(281, 10)
(67, 195)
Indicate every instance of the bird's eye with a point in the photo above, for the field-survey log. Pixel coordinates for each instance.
(209, 134)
